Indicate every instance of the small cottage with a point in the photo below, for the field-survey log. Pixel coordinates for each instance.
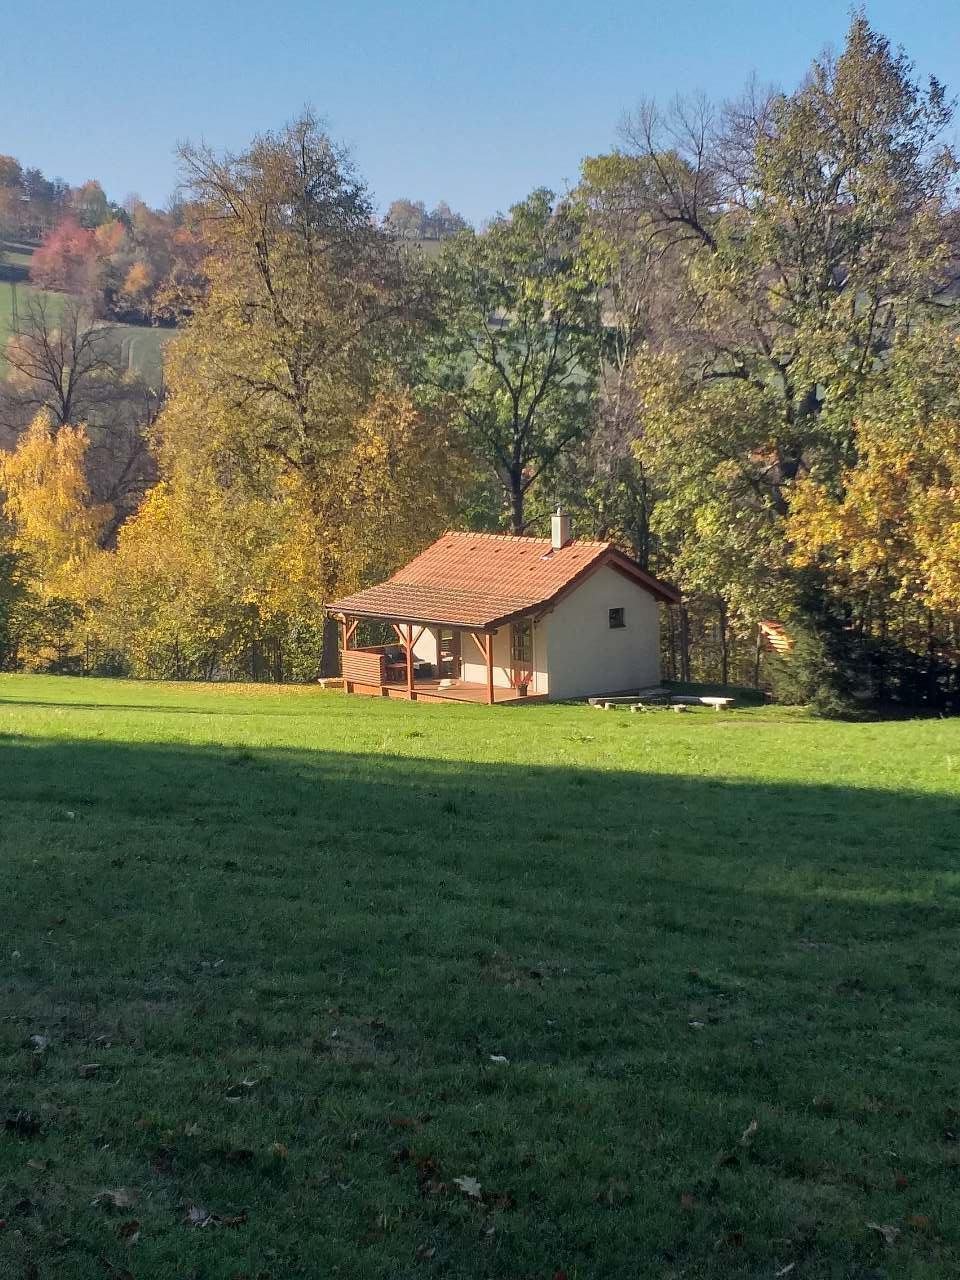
(489, 617)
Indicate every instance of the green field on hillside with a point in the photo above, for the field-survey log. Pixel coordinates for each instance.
(141, 345)
(298, 984)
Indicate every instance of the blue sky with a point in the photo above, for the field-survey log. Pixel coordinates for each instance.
(476, 102)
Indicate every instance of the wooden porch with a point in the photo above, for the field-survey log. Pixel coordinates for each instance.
(394, 671)
(431, 690)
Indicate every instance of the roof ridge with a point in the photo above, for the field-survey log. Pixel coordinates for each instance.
(523, 537)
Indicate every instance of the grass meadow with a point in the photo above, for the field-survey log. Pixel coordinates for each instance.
(297, 984)
(141, 346)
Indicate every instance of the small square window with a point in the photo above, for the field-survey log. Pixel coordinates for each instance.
(617, 619)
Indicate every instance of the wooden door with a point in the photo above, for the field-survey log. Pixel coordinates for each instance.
(448, 653)
(521, 654)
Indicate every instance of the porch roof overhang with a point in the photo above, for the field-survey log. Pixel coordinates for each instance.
(433, 607)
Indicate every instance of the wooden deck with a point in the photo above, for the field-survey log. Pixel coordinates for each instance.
(374, 670)
(430, 691)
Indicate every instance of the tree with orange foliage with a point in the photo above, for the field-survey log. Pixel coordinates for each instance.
(67, 260)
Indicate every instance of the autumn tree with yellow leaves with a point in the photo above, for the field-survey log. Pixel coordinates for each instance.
(53, 536)
(883, 538)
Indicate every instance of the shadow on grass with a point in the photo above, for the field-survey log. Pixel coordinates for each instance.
(660, 959)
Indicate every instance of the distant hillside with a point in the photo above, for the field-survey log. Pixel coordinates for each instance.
(142, 344)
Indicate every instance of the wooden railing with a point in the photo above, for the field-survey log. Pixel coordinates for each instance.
(365, 666)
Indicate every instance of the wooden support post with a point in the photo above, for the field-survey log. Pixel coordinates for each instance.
(480, 641)
(488, 648)
(409, 646)
(345, 634)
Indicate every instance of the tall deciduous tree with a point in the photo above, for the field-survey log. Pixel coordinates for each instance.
(514, 343)
(814, 232)
(817, 220)
(273, 382)
(641, 288)
(305, 295)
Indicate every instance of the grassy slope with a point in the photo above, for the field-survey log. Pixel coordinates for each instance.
(293, 917)
(142, 345)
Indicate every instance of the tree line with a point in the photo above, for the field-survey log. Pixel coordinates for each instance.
(732, 349)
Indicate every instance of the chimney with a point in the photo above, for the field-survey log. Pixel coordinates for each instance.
(559, 530)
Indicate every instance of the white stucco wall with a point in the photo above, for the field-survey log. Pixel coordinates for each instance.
(425, 649)
(585, 656)
(474, 670)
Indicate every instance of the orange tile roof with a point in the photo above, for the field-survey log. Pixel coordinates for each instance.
(479, 580)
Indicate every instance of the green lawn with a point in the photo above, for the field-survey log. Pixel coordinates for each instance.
(276, 942)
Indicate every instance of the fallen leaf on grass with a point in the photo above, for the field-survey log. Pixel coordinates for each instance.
(498, 1057)
(118, 1198)
(197, 1216)
(469, 1186)
(886, 1232)
(919, 1222)
(785, 1271)
(192, 1130)
(87, 1070)
(232, 1220)
(424, 1253)
(747, 1136)
(39, 1165)
(129, 1232)
(279, 1151)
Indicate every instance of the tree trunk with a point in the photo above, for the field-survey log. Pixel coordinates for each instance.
(329, 658)
(684, 644)
(516, 502)
(724, 645)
